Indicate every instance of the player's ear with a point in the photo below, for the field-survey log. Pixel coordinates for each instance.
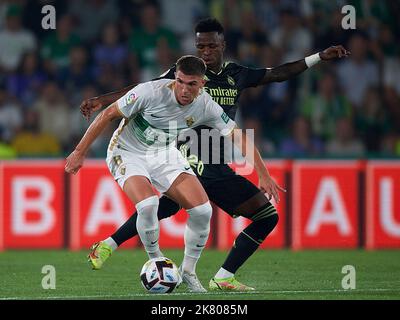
(202, 83)
(221, 39)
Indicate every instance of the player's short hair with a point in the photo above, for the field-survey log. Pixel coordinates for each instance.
(209, 25)
(191, 65)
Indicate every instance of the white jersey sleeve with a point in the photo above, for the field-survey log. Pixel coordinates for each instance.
(215, 117)
(136, 99)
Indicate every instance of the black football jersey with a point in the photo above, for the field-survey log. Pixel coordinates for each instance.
(225, 87)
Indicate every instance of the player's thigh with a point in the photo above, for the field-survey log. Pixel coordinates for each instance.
(187, 191)
(131, 171)
(236, 195)
(138, 188)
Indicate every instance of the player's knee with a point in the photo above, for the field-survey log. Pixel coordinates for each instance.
(147, 203)
(148, 207)
(201, 214)
(264, 211)
(204, 209)
(264, 220)
(273, 221)
(260, 229)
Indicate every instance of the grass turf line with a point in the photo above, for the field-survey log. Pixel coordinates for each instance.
(276, 274)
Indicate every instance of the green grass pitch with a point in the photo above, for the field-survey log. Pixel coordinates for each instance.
(276, 274)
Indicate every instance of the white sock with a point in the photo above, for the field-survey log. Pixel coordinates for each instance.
(110, 241)
(189, 264)
(147, 225)
(222, 274)
(196, 235)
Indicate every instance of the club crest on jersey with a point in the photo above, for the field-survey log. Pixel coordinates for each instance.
(131, 98)
(231, 81)
(189, 121)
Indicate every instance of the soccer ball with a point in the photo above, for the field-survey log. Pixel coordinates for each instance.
(160, 275)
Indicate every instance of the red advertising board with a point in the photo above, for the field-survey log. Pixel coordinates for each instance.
(229, 228)
(32, 204)
(383, 205)
(325, 199)
(98, 206)
(325, 202)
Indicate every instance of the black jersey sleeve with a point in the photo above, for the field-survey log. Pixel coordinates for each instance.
(251, 77)
(169, 74)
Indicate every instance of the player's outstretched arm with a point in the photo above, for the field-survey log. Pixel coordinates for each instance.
(252, 155)
(91, 105)
(291, 69)
(75, 160)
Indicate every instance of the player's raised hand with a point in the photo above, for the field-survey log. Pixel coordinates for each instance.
(89, 106)
(270, 188)
(334, 52)
(74, 162)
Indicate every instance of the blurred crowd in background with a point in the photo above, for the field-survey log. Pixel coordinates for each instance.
(348, 108)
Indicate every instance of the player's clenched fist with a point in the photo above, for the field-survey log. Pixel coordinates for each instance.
(334, 52)
(89, 106)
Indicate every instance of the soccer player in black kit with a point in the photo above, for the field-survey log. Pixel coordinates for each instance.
(228, 190)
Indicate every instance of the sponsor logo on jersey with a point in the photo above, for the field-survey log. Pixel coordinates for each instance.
(223, 96)
(221, 92)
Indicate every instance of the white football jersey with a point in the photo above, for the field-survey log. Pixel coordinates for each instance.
(153, 118)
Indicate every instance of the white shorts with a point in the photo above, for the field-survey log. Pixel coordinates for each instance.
(161, 167)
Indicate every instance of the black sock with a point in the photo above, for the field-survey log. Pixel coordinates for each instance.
(166, 208)
(248, 241)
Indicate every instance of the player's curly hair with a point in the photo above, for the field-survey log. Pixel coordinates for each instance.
(209, 25)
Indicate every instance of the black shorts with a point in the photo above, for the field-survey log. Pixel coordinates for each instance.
(225, 188)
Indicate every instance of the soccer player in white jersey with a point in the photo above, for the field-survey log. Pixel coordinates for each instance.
(142, 153)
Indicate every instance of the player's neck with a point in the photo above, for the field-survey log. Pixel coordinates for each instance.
(217, 68)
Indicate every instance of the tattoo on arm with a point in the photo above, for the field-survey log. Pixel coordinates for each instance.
(284, 71)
